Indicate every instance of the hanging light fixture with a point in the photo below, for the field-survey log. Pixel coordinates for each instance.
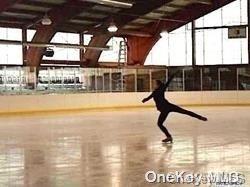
(164, 33)
(46, 20)
(115, 3)
(112, 27)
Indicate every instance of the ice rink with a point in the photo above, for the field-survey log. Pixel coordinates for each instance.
(116, 148)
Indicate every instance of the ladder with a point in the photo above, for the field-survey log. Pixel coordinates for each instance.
(122, 56)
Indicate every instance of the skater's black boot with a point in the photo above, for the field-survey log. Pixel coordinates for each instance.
(203, 118)
(168, 140)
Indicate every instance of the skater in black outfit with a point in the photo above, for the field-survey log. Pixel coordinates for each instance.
(165, 107)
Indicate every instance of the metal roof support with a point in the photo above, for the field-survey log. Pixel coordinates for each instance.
(44, 34)
(193, 44)
(59, 45)
(24, 39)
(248, 16)
(138, 49)
(92, 56)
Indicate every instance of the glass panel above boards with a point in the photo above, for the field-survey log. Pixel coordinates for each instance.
(50, 80)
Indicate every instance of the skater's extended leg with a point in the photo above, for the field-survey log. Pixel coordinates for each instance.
(187, 112)
(163, 116)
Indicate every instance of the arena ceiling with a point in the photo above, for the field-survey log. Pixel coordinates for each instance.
(140, 21)
(94, 16)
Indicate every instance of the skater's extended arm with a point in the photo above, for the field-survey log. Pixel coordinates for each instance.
(148, 98)
(170, 80)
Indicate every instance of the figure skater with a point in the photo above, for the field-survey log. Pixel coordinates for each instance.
(165, 107)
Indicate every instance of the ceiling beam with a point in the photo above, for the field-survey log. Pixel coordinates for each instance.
(5, 4)
(175, 6)
(88, 18)
(206, 2)
(40, 4)
(14, 19)
(60, 62)
(58, 45)
(21, 11)
(11, 25)
(101, 12)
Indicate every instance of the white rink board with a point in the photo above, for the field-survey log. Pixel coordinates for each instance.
(55, 102)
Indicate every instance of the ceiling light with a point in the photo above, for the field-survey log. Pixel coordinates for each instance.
(112, 27)
(164, 33)
(129, 5)
(112, 2)
(46, 20)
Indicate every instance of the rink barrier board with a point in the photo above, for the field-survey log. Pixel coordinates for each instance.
(21, 104)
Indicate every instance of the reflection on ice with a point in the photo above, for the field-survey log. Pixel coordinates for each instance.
(105, 149)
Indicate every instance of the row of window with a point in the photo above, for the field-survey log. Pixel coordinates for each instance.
(212, 45)
(12, 54)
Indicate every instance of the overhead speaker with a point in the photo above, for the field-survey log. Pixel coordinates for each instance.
(49, 52)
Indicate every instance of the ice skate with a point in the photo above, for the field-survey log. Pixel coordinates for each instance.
(168, 140)
(203, 118)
